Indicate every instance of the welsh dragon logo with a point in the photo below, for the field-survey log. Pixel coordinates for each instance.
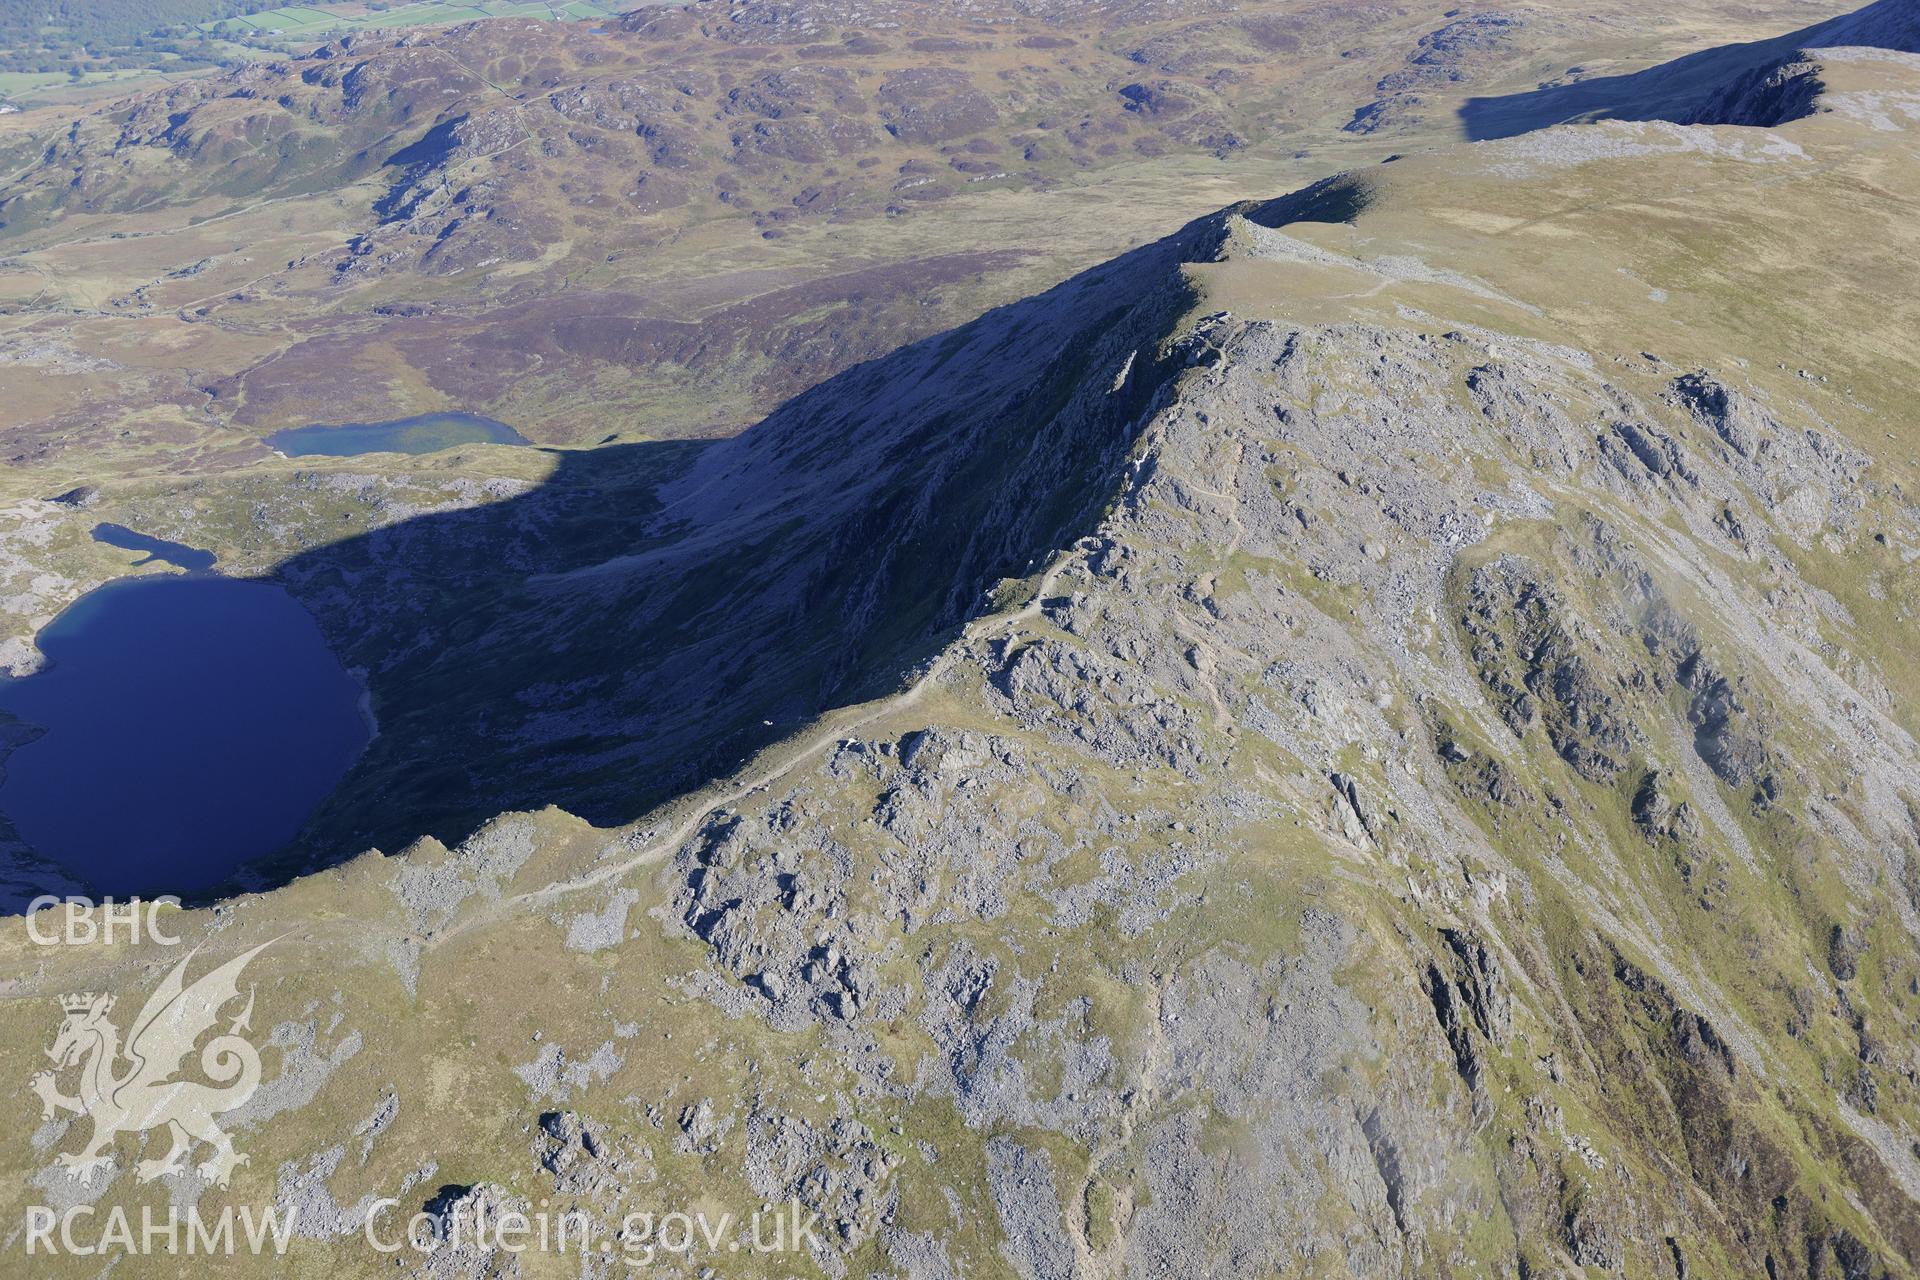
(143, 1094)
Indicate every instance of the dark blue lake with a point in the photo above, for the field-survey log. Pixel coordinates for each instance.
(426, 433)
(179, 553)
(191, 723)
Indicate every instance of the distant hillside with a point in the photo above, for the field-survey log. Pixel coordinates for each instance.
(64, 35)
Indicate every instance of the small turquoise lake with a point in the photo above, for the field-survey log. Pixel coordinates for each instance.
(425, 433)
(187, 724)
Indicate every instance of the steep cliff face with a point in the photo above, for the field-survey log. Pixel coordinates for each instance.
(1440, 801)
(650, 616)
(1762, 83)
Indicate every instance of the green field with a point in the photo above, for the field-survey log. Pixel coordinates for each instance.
(274, 31)
(42, 88)
(300, 23)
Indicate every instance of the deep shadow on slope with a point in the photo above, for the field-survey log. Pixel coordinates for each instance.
(1752, 84)
(653, 614)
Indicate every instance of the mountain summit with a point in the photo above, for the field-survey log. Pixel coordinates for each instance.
(1373, 735)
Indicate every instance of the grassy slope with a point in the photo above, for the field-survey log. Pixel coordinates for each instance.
(1735, 289)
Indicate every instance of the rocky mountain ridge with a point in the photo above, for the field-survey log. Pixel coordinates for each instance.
(1439, 801)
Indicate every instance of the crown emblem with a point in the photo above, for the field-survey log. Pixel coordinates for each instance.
(81, 1001)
